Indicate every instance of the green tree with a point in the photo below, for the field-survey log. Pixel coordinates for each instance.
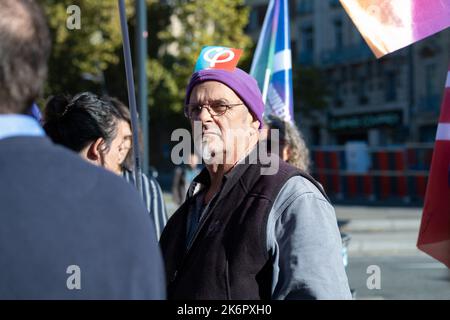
(86, 52)
(196, 24)
(184, 28)
(177, 30)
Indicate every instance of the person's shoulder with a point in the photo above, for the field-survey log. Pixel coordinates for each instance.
(104, 179)
(152, 181)
(61, 169)
(147, 180)
(298, 185)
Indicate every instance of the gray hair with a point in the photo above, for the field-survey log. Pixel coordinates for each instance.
(291, 137)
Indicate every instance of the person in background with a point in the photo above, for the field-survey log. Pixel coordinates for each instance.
(98, 128)
(183, 177)
(293, 150)
(69, 230)
(292, 146)
(89, 125)
(151, 190)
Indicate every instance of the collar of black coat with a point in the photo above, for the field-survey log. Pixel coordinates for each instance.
(203, 180)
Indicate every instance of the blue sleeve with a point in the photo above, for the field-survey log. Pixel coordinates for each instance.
(304, 241)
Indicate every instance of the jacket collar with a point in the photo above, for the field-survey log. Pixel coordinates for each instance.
(203, 180)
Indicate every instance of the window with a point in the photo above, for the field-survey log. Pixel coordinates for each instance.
(305, 6)
(431, 99)
(307, 34)
(390, 86)
(362, 91)
(338, 34)
(353, 72)
(344, 74)
(334, 3)
(430, 80)
(337, 96)
(369, 70)
(315, 134)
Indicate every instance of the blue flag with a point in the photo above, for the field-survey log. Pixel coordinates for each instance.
(272, 62)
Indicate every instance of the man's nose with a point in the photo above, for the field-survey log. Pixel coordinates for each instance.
(204, 115)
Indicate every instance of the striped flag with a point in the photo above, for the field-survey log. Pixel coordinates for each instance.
(388, 25)
(434, 235)
(272, 62)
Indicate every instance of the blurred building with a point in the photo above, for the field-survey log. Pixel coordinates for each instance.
(390, 101)
(391, 105)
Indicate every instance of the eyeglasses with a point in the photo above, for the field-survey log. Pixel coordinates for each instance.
(215, 109)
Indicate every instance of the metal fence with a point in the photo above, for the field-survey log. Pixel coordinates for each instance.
(395, 174)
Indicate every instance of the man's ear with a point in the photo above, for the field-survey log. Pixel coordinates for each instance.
(94, 151)
(254, 122)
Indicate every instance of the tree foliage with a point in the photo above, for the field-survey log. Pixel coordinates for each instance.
(195, 24)
(86, 51)
(177, 30)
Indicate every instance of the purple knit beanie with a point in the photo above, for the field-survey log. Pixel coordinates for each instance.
(244, 85)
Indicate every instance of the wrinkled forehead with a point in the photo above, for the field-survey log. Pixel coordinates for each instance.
(210, 91)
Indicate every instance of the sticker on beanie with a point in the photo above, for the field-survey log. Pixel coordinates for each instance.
(214, 57)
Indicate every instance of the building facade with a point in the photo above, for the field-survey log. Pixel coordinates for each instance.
(390, 101)
(373, 140)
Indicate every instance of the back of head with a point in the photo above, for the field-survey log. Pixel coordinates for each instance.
(24, 51)
(291, 137)
(121, 108)
(74, 122)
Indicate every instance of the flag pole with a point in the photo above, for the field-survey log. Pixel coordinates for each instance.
(141, 60)
(131, 95)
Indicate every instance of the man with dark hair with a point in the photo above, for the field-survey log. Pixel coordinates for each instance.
(151, 190)
(68, 230)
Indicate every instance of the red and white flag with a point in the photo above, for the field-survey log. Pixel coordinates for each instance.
(434, 235)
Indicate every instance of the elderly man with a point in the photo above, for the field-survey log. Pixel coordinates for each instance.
(241, 234)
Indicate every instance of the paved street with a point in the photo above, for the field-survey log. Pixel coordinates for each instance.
(381, 230)
(402, 277)
(386, 237)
